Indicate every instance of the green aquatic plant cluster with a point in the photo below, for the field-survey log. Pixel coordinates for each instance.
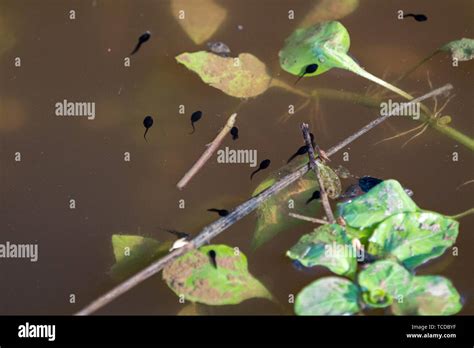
(399, 236)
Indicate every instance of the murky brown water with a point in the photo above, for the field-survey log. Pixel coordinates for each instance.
(64, 158)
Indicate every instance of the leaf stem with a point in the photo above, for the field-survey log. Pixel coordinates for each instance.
(463, 214)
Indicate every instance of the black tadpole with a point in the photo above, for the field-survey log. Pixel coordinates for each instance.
(366, 183)
(221, 212)
(142, 39)
(212, 257)
(196, 116)
(147, 123)
(417, 17)
(308, 70)
(178, 234)
(235, 133)
(263, 165)
(301, 151)
(316, 195)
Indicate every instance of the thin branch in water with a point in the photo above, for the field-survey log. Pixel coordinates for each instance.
(208, 153)
(465, 183)
(307, 218)
(312, 161)
(223, 223)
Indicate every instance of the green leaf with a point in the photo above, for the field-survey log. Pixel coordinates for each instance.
(385, 199)
(429, 295)
(194, 276)
(413, 238)
(133, 253)
(272, 215)
(383, 282)
(328, 296)
(329, 246)
(462, 50)
(325, 44)
(199, 19)
(328, 10)
(242, 77)
(321, 44)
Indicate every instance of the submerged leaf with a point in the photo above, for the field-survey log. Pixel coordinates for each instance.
(200, 19)
(384, 282)
(429, 295)
(272, 215)
(327, 10)
(133, 253)
(329, 246)
(462, 50)
(383, 200)
(194, 276)
(328, 296)
(242, 77)
(7, 33)
(413, 238)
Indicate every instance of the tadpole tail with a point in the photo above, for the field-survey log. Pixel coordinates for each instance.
(192, 124)
(299, 78)
(144, 135)
(292, 158)
(137, 47)
(409, 15)
(253, 173)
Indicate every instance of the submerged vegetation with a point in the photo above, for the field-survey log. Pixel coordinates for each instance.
(380, 237)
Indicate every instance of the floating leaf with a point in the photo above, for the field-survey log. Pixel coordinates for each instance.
(200, 19)
(413, 238)
(326, 45)
(327, 10)
(328, 296)
(331, 182)
(429, 295)
(383, 282)
(462, 50)
(383, 200)
(242, 77)
(133, 253)
(272, 215)
(195, 277)
(329, 246)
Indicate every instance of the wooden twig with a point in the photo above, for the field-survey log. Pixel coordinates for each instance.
(312, 161)
(223, 223)
(307, 218)
(212, 147)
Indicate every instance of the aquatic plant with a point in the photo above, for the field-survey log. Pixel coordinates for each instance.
(327, 45)
(399, 236)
